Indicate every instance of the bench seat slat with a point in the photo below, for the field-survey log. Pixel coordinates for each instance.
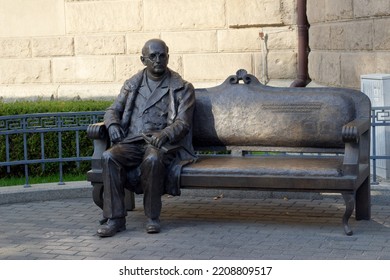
(268, 165)
(272, 183)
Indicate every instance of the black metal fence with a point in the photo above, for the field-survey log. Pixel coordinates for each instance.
(43, 124)
(64, 122)
(380, 119)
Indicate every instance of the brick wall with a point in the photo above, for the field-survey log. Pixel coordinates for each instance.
(70, 48)
(348, 38)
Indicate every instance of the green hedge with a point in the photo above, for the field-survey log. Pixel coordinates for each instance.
(50, 139)
(30, 107)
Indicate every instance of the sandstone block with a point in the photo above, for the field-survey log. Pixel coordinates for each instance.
(269, 69)
(382, 34)
(98, 45)
(352, 36)
(215, 67)
(103, 16)
(253, 12)
(32, 18)
(282, 64)
(288, 12)
(237, 40)
(195, 41)
(368, 8)
(353, 65)
(12, 93)
(330, 68)
(83, 69)
(126, 66)
(382, 62)
(86, 0)
(205, 84)
(336, 9)
(185, 14)
(324, 68)
(281, 38)
(52, 46)
(260, 69)
(315, 11)
(15, 47)
(314, 65)
(135, 41)
(320, 37)
(176, 63)
(19, 71)
(90, 91)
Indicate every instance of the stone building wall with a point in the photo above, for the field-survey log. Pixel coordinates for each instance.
(348, 38)
(87, 48)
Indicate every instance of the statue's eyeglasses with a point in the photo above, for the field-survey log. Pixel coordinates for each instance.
(154, 56)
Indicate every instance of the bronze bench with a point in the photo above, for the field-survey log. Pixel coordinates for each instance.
(274, 139)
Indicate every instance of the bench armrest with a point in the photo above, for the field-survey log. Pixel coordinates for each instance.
(356, 136)
(352, 131)
(97, 131)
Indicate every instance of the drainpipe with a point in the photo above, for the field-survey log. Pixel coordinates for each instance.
(303, 78)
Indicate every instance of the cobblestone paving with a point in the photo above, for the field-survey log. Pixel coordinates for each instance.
(197, 228)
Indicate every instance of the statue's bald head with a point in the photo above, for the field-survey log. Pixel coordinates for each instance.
(155, 57)
(151, 42)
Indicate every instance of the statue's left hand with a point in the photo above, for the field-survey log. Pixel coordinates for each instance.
(159, 139)
(115, 132)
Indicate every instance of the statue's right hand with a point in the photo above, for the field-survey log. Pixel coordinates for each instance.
(115, 133)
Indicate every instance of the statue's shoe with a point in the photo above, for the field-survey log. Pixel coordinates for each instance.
(112, 227)
(153, 226)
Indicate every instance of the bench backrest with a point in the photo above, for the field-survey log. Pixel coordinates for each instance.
(251, 114)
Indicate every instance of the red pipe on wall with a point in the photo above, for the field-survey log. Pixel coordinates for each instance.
(303, 78)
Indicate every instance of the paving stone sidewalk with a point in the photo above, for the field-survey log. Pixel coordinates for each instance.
(199, 228)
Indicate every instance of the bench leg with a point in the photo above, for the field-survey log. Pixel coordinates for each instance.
(349, 206)
(363, 201)
(129, 200)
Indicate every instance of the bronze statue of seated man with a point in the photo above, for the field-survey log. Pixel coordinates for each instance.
(154, 108)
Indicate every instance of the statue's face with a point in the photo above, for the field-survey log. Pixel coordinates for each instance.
(155, 58)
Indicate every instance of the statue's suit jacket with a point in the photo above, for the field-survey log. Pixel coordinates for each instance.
(179, 120)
